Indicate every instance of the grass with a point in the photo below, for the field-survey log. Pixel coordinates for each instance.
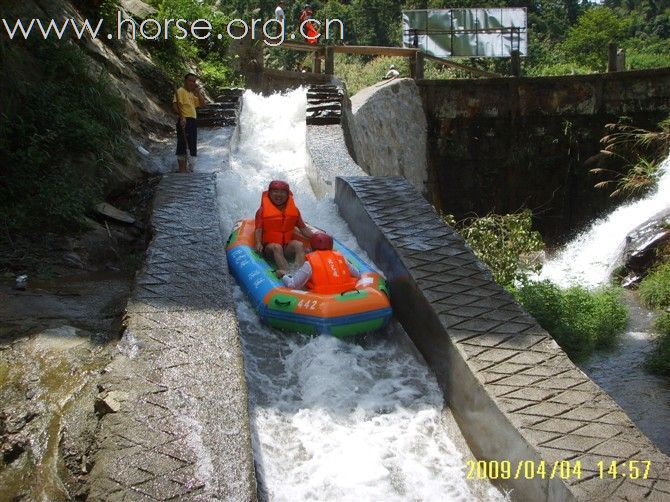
(655, 293)
(640, 152)
(655, 288)
(580, 321)
(659, 361)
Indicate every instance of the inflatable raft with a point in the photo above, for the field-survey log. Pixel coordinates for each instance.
(361, 310)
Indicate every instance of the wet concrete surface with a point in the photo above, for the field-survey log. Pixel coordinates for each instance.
(513, 391)
(175, 405)
(55, 339)
(92, 300)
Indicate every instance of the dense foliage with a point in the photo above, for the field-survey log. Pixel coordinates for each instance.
(579, 320)
(655, 288)
(66, 130)
(655, 293)
(506, 243)
(565, 36)
(208, 58)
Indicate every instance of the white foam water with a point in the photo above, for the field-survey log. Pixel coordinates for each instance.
(588, 259)
(332, 419)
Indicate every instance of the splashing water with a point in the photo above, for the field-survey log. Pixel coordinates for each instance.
(332, 420)
(589, 258)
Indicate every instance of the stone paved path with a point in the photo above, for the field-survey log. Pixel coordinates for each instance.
(181, 430)
(515, 393)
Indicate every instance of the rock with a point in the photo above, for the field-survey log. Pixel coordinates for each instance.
(110, 402)
(137, 8)
(387, 127)
(72, 259)
(639, 253)
(643, 257)
(13, 447)
(61, 338)
(109, 211)
(21, 282)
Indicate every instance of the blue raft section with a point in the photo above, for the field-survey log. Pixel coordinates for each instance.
(361, 310)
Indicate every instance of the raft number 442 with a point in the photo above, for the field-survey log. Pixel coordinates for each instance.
(563, 469)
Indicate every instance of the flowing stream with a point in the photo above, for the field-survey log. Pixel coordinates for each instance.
(588, 261)
(332, 419)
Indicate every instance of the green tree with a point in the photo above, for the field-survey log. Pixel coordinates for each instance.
(587, 41)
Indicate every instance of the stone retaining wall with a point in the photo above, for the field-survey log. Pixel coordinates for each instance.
(515, 394)
(387, 127)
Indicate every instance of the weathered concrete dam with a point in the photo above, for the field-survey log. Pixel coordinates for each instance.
(178, 422)
(497, 145)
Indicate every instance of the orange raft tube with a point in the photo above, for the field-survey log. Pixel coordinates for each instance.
(361, 310)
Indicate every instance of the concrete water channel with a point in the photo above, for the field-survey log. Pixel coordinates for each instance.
(180, 424)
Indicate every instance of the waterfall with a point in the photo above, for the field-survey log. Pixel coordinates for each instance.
(589, 258)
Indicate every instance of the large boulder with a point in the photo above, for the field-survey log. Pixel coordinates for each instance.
(640, 251)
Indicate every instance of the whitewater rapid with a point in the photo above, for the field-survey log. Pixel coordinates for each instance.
(588, 259)
(332, 419)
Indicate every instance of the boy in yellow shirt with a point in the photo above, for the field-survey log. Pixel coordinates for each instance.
(185, 101)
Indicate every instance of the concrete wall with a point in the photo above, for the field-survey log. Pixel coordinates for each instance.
(515, 394)
(501, 144)
(386, 131)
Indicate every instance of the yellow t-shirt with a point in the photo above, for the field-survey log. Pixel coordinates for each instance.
(188, 102)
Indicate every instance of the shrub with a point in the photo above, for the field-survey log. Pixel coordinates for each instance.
(218, 75)
(655, 288)
(659, 361)
(641, 54)
(358, 74)
(579, 320)
(177, 56)
(504, 242)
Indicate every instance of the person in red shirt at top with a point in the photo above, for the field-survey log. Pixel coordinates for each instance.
(307, 28)
(276, 221)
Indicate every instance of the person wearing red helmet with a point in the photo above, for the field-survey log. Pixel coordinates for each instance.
(325, 271)
(276, 221)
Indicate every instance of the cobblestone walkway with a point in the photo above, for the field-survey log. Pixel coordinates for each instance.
(176, 422)
(516, 394)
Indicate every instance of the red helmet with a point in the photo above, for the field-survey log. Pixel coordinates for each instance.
(278, 185)
(321, 241)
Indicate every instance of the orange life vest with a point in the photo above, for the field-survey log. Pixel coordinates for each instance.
(278, 225)
(330, 273)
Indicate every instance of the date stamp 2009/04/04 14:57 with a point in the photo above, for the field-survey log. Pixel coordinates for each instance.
(562, 469)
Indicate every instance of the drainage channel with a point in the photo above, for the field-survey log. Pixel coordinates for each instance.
(333, 419)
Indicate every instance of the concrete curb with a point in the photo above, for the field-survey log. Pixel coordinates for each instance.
(177, 420)
(515, 394)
